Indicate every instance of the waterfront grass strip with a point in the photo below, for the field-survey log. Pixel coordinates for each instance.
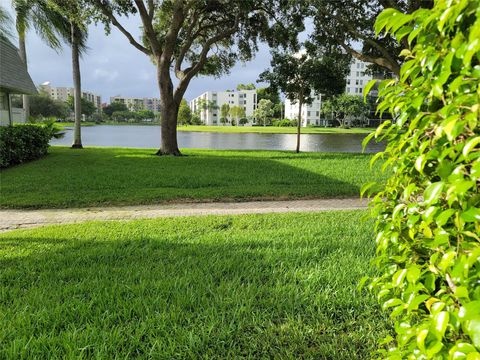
(121, 176)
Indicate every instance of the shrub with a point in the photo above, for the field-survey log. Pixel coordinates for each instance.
(21, 143)
(284, 123)
(428, 213)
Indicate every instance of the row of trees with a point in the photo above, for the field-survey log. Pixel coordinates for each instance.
(180, 35)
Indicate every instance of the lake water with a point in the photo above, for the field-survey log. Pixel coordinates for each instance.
(149, 137)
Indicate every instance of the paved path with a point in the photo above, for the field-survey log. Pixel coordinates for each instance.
(14, 219)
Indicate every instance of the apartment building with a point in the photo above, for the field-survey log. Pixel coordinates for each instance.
(210, 115)
(357, 78)
(62, 94)
(135, 104)
(311, 113)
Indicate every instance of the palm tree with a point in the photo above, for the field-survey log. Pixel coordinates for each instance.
(78, 38)
(5, 24)
(46, 23)
(51, 24)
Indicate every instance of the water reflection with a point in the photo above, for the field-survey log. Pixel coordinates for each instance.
(149, 137)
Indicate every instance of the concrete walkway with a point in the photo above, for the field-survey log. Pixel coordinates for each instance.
(15, 219)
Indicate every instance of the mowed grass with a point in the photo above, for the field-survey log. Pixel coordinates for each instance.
(241, 129)
(251, 286)
(275, 129)
(121, 176)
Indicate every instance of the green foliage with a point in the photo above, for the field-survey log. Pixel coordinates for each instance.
(236, 113)
(224, 111)
(88, 107)
(428, 214)
(241, 87)
(264, 112)
(21, 143)
(184, 113)
(114, 106)
(284, 123)
(44, 106)
(346, 109)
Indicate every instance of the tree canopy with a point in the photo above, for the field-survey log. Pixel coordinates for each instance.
(347, 23)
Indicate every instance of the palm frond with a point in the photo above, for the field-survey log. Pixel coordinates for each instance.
(5, 24)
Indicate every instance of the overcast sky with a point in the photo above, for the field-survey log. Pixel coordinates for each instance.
(114, 67)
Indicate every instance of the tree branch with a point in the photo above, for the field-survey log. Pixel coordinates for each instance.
(147, 23)
(105, 8)
(395, 68)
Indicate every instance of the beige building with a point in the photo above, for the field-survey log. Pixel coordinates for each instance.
(135, 104)
(62, 94)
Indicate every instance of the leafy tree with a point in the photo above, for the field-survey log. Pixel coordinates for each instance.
(88, 108)
(300, 75)
(180, 34)
(345, 108)
(241, 87)
(184, 113)
(428, 211)
(273, 95)
(237, 112)
(264, 112)
(145, 114)
(44, 106)
(224, 112)
(114, 106)
(243, 121)
(346, 23)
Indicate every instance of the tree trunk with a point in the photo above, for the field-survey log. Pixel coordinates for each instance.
(77, 131)
(169, 111)
(299, 125)
(23, 56)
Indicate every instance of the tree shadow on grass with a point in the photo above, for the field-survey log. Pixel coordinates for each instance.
(178, 296)
(114, 177)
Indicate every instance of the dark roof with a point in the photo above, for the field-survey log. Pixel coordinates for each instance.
(13, 72)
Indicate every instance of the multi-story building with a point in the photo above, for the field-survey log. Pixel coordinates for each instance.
(311, 113)
(210, 115)
(62, 94)
(357, 78)
(135, 104)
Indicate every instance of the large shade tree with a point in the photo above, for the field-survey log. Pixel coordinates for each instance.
(349, 23)
(185, 38)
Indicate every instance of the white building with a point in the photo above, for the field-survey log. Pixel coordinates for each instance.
(135, 104)
(62, 94)
(357, 79)
(310, 112)
(211, 116)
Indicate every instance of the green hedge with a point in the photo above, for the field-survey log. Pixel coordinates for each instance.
(21, 143)
(428, 212)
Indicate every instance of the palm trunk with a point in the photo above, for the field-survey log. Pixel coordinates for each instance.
(77, 132)
(23, 56)
(299, 125)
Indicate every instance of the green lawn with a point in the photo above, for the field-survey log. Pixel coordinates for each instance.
(120, 176)
(274, 129)
(252, 286)
(246, 129)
